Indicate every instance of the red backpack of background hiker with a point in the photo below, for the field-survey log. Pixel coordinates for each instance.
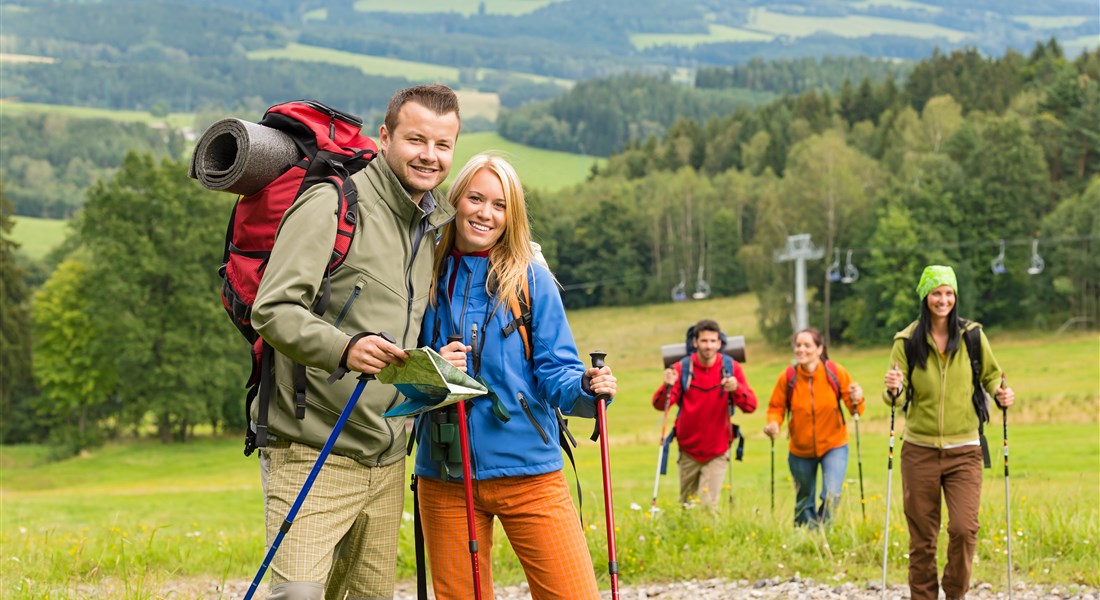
(332, 149)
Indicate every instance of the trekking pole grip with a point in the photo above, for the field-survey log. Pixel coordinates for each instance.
(598, 363)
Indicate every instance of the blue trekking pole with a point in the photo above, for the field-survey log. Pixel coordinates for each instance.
(325, 451)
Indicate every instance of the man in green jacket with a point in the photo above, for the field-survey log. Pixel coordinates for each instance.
(344, 542)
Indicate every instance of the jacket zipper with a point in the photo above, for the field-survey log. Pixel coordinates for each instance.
(531, 417)
(943, 395)
(413, 247)
(347, 305)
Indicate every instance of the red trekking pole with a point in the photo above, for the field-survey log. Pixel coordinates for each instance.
(605, 462)
(467, 479)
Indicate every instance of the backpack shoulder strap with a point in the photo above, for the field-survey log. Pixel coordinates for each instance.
(834, 383)
(972, 336)
(909, 358)
(685, 374)
(791, 374)
(522, 319)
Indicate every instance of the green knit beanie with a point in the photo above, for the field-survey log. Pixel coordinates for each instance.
(933, 277)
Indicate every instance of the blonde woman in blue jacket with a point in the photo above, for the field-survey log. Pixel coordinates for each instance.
(516, 462)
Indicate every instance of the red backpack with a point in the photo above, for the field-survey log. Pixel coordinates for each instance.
(332, 149)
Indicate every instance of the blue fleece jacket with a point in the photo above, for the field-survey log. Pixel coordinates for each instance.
(528, 443)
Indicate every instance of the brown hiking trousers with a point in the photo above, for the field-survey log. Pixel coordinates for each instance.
(924, 473)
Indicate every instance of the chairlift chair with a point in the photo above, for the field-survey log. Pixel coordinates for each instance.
(833, 272)
(679, 291)
(998, 263)
(702, 288)
(1037, 263)
(851, 273)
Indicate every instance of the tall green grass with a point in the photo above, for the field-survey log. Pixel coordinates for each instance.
(135, 519)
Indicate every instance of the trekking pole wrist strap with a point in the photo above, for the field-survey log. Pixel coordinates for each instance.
(343, 368)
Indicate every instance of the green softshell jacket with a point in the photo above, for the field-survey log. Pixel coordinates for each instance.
(382, 286)
(942, 412)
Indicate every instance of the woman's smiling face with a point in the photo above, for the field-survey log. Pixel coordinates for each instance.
(480, 213)
(940, 301)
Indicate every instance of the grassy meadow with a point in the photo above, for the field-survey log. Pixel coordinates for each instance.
(547, 170)
(139, 518)
(36, 236)
(371, 65)
(176, 120)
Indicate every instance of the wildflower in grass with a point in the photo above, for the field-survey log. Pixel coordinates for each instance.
(635, 506)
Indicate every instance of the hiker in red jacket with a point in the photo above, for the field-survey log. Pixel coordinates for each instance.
(702, 426)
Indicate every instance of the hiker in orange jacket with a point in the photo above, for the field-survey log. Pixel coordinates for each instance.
(811, 392)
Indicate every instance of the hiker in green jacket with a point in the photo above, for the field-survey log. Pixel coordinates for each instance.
(942, 449)
(344, 542)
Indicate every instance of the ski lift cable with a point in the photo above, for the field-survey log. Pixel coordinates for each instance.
(957, 245)
(860, 250)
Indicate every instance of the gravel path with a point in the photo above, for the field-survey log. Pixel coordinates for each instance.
(722, 589)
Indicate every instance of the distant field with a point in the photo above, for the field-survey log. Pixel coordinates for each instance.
(176, 120)
(371, 65)
(387, 67)
(902, 4)
(6, 57)
(466, 7)
(851, 26)
(1077, 46)
(36, 237)
(1048, 22)
(539, 169)
(764, 25)
(718, 33)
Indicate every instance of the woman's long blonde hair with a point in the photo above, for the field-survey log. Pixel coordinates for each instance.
(511, 256)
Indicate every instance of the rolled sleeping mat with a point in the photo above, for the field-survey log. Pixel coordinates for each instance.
(735, 347)
(241, 157)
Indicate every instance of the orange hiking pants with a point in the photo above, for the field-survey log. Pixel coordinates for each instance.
(541, 524)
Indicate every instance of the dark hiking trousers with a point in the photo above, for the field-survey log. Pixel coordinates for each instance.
(924, 473)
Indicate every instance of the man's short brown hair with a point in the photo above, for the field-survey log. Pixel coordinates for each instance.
(707, 325)
(436, 97)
